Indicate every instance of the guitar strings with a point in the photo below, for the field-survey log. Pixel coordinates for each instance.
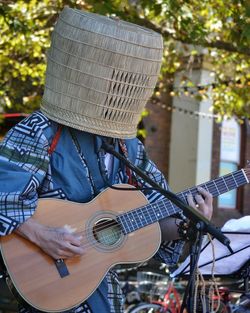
(212, 188)
(145, 213)
(106, 237)
(93, 243)
(113, 223)
(182, 195)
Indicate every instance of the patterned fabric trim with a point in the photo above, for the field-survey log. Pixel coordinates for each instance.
(7, 225)
(115, 294)
(25, 145)
(169, 252)
(24, 150)
(56, 193)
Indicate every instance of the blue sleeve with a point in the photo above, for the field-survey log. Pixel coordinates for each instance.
(24, 162)
(169, 252)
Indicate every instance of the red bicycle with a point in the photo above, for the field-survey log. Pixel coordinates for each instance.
(171, 303)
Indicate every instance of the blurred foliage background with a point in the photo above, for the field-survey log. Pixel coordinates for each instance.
(192, 29)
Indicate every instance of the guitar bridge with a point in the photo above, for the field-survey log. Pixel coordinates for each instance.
(61, 267)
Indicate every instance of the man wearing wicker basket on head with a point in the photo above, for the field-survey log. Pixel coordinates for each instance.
(100, 74)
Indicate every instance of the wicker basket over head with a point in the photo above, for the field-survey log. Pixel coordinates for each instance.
(100, 73)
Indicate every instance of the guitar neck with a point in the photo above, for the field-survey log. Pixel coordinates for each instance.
(154, 212)
(220, 185)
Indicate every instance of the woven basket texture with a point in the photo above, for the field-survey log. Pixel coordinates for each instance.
(100, 73)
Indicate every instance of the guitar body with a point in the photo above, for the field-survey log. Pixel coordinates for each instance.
(35, 274)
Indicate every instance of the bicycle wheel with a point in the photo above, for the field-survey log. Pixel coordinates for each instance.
(146, 308)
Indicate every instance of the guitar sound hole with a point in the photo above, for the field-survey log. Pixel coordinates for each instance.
(107, 232)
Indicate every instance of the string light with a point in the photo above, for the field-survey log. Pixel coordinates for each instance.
(198, 90)
(196, 114)
(191, 113)
(203, 89)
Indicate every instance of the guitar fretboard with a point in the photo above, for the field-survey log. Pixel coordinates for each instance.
(154, 212)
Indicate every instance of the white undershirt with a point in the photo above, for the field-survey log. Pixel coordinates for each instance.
(108, 160)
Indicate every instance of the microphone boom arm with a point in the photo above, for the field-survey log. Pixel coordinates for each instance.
(201, 222)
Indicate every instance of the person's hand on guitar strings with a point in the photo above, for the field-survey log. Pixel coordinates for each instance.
(58, 242)
(202, 201)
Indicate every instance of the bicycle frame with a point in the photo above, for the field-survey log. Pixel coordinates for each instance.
(171, 300)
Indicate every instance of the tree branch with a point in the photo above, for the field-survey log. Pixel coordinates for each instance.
(218, 44)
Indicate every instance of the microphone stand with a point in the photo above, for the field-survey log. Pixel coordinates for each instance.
(201, 224)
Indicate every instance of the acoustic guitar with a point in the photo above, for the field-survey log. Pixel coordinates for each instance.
(117, 227)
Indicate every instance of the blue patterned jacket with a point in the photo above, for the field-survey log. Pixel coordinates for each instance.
(29, 172)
